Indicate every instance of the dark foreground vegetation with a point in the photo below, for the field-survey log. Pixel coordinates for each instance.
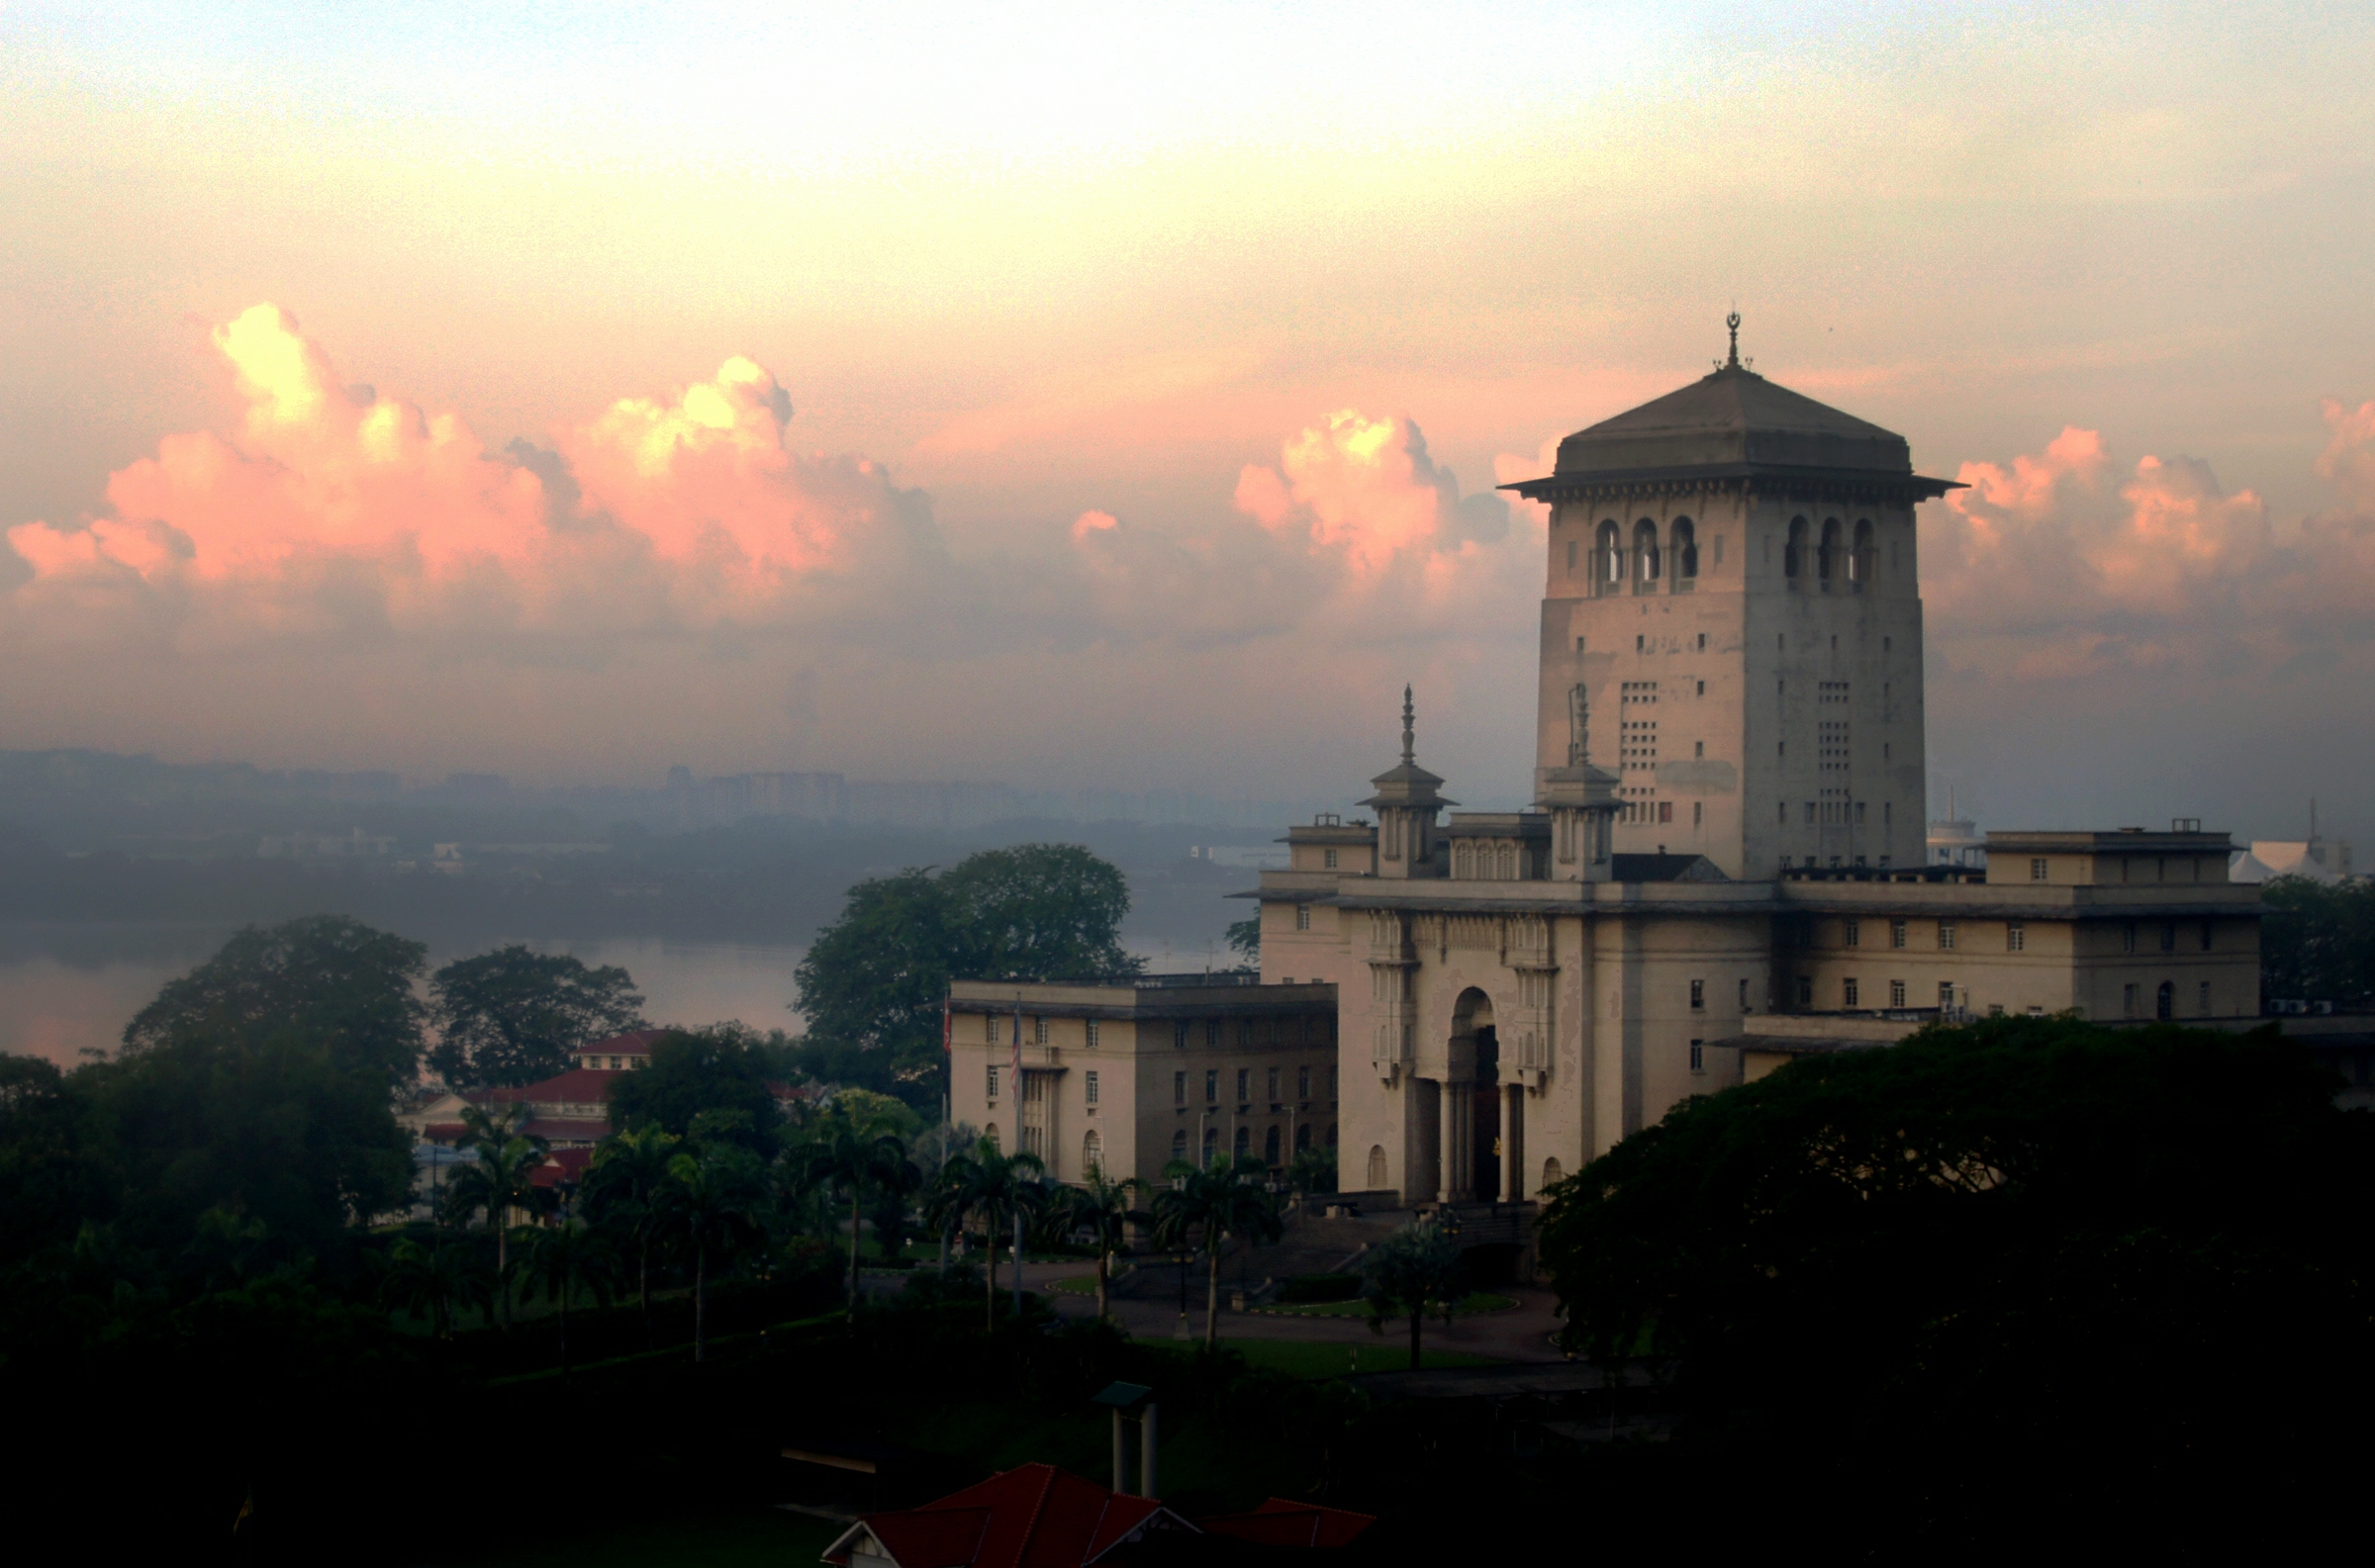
(2024, 1280)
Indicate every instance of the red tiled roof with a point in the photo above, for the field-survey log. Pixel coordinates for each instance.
(1280, 1523)
(567, 1130)
(1034, 1516)
(562, 1164)
(577, 1086)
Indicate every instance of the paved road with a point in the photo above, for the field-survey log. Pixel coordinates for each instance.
(1522, 1333)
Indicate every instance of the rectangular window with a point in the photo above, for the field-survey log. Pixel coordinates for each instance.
(1896, 933)
(989, 1023)
(2128, 940)
(1302, 1084)
(1852, 932)
(1805, 990)
(1093, 1033)
(1945, 995)
(1272, 1084)
(1212, 1086)
(1783, 819)
(1088, 1088)
(1698, 1061)
(2206, 936)
(2169, 936)
(1302, 917)
(2204, 1009)
(1896, 993)
(1665, 811)
(1946, 936)
(1328, 858)
(1038, 1030)
(2128, 1000)
(2016, 936)
(1179, 1035)
(1859, 805)
(1245, 1084)
(1179, 1089)
(1810, 814)
(1211, 1034)
(993, 1083)
(1698, 997)
(1849, 996)
(1744, 996)
(1699, 813)
(2036, 871)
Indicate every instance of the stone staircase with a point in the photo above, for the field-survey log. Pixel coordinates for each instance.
(1312, 1244)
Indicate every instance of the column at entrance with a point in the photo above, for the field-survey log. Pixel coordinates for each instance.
(1447, 1138)
(1513, 1131)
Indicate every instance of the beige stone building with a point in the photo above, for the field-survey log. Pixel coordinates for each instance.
(1729, 830)
(1128, 1076)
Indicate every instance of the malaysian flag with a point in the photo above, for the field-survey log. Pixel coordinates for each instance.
(948, 1038)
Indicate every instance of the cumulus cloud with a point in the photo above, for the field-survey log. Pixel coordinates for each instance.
(2070, 566)
(646, 584)
(332, 502)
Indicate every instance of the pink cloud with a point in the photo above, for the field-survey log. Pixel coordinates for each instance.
(690, 507)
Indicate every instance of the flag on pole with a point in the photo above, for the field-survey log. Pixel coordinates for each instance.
(948, 1038)
(1017, 1062)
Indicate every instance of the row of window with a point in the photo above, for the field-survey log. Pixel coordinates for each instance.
(1834, 555)
(1271, 1143)
(1948, 933)
(1837, 812)
(1273, 1081)
(1648, 562)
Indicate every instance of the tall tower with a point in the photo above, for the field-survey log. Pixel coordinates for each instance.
(1732, 583)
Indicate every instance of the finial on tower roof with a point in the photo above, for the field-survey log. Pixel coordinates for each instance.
(1733, 321)
(1409, 727)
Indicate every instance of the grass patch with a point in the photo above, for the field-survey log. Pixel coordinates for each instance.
(1085, 1285)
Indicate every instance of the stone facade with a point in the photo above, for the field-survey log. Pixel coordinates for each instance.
(1730, 824)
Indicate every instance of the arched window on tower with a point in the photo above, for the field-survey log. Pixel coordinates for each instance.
(1683, 538)
(1863, 557)
(1571, 557)
(1793, 554)
(1377, 1166)
(1826, 562)
(1609, 571)
(1645, 552)
(1092, 1152)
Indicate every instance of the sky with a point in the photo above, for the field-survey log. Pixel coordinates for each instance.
(1116, 397)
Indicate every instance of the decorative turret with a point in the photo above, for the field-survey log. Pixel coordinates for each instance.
(1581, 801)
(1407, 802)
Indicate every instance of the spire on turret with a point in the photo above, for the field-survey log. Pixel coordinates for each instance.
(1409, 729)
(1733, 321)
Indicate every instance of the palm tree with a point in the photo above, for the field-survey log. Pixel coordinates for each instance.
(1230, 1199)
(622, 1192)
(990, 1186)
(1412, 1270)
(1102, 1207)
(855, 1153)
(709, 1200)
(432, 1281)
(561, 1259)
(500, 1180)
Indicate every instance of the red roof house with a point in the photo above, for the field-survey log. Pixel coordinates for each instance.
(1034, 1516)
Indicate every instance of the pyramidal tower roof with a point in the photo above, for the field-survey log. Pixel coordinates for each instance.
(1732, 423)
(1408, 784)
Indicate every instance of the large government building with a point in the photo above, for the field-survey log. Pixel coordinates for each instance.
(1724, 866)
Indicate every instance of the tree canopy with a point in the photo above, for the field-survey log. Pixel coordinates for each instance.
(2317, 940)
(707, 1083)
(2025, 1254)
(875, 978)
(338, 984)
(515, 1016)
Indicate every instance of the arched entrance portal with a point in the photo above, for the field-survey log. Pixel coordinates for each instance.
(1468, 1105)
